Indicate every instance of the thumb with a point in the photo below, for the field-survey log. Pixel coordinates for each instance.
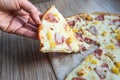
(30, 8)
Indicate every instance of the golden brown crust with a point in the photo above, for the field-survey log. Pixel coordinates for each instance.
(51, 8)
(104, 13)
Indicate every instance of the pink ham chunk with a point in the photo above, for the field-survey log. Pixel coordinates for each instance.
(59, 38)
(51, 18)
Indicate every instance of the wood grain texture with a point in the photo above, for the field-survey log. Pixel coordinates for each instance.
(20, 58)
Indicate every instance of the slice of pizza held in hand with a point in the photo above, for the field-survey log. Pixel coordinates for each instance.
(55, 34)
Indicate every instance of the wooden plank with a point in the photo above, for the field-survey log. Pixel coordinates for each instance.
(21, 60)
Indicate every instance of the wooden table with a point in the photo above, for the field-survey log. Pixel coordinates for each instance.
(20, 58)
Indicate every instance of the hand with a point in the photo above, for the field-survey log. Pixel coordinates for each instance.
(19, 17)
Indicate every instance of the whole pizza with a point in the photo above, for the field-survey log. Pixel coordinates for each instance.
(78, 33)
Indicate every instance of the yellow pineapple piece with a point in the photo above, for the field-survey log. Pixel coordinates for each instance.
(95, 22)
(88, 17)
(117, 31)
(93, 61)
(82, 72)
(115, 70)
(75, 30)
(89, 58)
(55, 14)
(69, 40)
(111, 46)
(104, 33)
(117, 64)
(49, 35)
(52, 44)
(118, 37)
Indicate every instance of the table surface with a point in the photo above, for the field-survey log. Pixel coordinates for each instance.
(20, 58)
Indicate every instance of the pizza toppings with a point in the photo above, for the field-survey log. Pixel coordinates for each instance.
(116, 31)
(115, 70)
(89, 18)
(82, 72)
(100, 18)
(101, 72)
(59, 38)
(78, 78)
(102, 59)
(51, 18)
(86, 17)
(91, 59)
(75, 30)
(89, 41)
(105, 65)
(78, 18)
(94, 61)
(111, 46)
(104, 33)
(118, 37)
(49, 35)
(111, 56)
(71, 23)
(98, 53)
(82, 47)
(116, 22)
(69, 40)
(79, 36)
(117, 64)
(93, 30)
(52, 44)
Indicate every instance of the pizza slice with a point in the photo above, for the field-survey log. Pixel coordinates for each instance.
(96, 66)
(55, 34)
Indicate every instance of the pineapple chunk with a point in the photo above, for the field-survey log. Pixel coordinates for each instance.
(82, 72)
(115, 70)
(95, 22)
(89, 18)
(118, 37)
(52, 44)
(89, 58)
(111, 46)
(75, 30)
(69, 40)
(56, 15)
(117, 64)
(49, 36)
(117, 31)
(93, 61)
(104, 33)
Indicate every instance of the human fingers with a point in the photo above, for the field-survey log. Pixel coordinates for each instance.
(30, 8)
(27, 33)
